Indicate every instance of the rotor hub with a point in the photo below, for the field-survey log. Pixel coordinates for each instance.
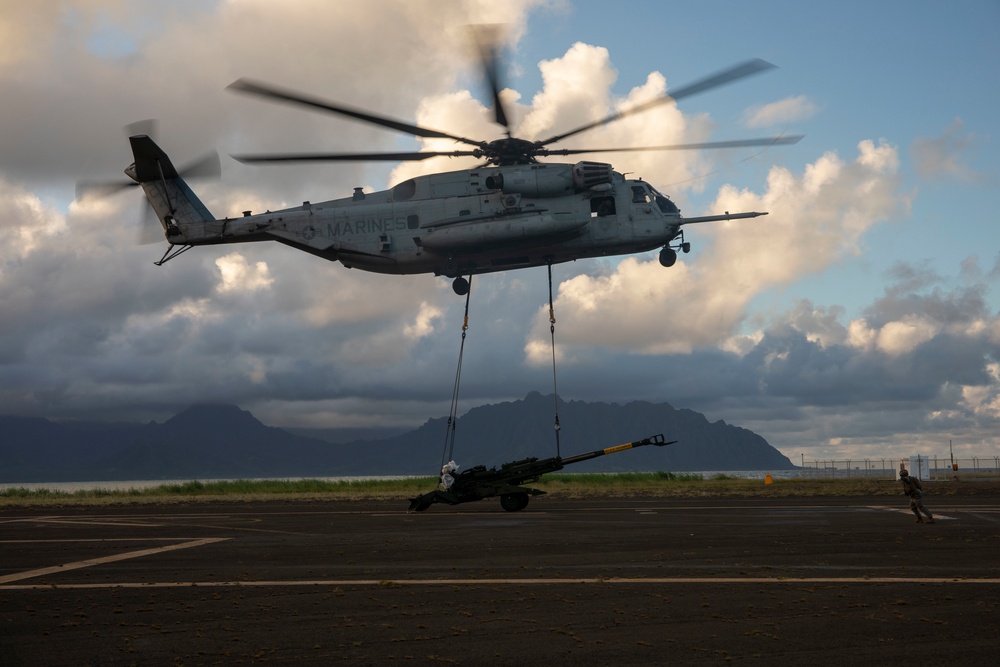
(510, 151)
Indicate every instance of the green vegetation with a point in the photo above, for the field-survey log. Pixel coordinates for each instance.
(232, 490)
(588, 485)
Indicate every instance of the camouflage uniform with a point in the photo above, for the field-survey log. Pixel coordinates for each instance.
(913, 489)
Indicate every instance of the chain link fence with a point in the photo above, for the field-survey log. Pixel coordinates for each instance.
(927, 467)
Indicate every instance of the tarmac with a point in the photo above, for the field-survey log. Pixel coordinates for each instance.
(564, 582)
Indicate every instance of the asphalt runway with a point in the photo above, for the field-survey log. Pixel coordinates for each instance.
(564, 582)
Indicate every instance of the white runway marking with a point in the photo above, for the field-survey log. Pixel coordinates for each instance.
(92, 522)
(398, 583)
(98, 539)
(18, 576)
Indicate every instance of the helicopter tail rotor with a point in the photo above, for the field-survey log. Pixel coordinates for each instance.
(152, 165)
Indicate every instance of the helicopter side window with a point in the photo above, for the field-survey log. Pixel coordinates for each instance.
(602, 206)
(412, 222)
(639, 195)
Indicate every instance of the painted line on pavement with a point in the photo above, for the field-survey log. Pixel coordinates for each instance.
(398, 583)
(65, 567)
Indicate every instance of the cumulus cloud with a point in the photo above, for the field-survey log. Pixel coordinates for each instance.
(577, 90)
(922, 355)
(89, 328)
(239, 276)
(815, 219)
(784, 111)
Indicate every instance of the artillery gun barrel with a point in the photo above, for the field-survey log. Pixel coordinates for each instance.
(477, 483)
(656, 440)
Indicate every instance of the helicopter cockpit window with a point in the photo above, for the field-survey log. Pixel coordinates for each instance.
(667, 206)
(663, 202)
(639, 195)
(404, 190)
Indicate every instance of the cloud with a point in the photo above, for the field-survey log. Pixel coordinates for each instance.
(89, 328)
(816, 219)
(189, 52)
(576, 90)
(788, 110)
(239, 276)
(946, 155)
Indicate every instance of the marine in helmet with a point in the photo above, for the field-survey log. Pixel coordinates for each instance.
(447, 478)
(913, 488)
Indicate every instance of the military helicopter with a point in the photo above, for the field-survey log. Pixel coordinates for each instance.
(511, 212)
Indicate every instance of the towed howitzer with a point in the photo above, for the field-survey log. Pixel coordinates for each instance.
(477, 483)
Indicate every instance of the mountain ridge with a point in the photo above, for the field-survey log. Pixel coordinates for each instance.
(222, 441)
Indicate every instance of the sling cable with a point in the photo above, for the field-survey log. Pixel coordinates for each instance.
(448, 466)
(449, 437)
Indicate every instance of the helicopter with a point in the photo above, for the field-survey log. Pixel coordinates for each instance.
(511, 212)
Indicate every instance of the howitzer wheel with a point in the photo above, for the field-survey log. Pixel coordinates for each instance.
(514, 502)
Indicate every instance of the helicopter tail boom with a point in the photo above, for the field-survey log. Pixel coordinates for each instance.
(173, 201)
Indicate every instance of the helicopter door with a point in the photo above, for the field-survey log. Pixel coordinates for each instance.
(603, 218)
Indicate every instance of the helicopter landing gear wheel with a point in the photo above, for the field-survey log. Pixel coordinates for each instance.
(668, 257)
(461, 286)
(514, 502)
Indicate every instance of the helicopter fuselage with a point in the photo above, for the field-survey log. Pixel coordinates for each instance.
(511, 212)
(467, 222)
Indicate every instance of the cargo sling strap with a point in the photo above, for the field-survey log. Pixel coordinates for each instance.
(448, 452)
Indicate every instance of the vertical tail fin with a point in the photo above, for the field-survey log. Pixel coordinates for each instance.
(169, 195)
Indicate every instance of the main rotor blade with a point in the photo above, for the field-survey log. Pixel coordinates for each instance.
(730, 75)
(351, 157)
(263, 90)
(487, 39)
(736, 143)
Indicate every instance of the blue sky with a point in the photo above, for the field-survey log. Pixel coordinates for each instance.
(860, 318)
(892, 70)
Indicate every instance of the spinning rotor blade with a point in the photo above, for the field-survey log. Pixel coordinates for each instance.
(86, 189)
(737, 143)
(150, 229)
(149, 127)
(350, 157)
(207, 166)
(247, 86)
(487, 38)
(730, 75)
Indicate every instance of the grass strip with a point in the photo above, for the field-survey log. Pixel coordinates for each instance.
(562, 485)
